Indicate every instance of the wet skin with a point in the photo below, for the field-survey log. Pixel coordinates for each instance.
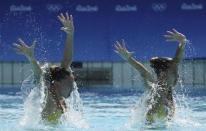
(161, 100)
(63, 89)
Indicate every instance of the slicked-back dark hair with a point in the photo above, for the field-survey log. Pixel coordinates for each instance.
(56, 73)
(160, 64)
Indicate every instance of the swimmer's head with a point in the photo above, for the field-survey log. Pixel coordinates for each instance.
(160, 64)
(56, 73)
(61, 79)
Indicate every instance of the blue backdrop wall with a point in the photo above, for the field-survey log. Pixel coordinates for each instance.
(98, 24)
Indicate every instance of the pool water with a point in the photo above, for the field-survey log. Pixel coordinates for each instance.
(106, 110)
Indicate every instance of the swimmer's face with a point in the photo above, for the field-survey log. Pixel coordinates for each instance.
(65, 86)
(163, 74)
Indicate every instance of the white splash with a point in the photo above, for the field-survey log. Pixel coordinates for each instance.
(34, 97)
(74, 115)
(138, 114)
(182, 117)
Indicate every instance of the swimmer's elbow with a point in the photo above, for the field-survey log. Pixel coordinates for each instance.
(148, 77)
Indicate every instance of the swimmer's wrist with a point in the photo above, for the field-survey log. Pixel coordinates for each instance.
(68, 30)
(125, 57)
(70, 33)
(183, 40)
(129, 58)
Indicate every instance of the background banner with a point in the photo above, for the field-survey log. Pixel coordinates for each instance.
(98, 24)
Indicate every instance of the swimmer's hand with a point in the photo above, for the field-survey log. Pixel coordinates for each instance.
(28, 51)
(67, 22)
(122, 50)
(174, 35)
(23, 48)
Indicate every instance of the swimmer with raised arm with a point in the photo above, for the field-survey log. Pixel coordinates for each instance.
(160, 104)
(59, 80)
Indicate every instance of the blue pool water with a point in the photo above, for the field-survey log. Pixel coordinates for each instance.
(106, 109)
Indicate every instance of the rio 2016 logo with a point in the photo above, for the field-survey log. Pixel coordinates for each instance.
(54, 7)
(159, 7)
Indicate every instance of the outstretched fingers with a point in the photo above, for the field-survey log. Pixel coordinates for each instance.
(170, 35)
(21, 42)
(170, 32)
(123, 45)
(17, 48)
(67, 16)
(62, 18)
(175, 31)
(169, 38)
(67, 22)
(16, 45)
(71, 19)
(118, 47)
(174, 35)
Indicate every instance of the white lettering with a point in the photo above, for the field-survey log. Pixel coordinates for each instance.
(126, 8)
(87, 8)
(192, 6)
(22, 8)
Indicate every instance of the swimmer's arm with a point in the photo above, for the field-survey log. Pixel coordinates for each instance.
(174, 35)
(36, 69)
(68, 52)
(141, 68)
(179, 52)
(68, 27)
(28, 51)
(125, 54)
